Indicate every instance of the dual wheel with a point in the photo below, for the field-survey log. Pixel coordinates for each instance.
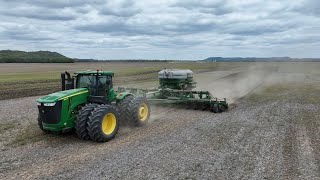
(216, 108)
(101, 122)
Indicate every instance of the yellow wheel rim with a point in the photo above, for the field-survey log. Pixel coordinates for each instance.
(108, 123)
(143, 112)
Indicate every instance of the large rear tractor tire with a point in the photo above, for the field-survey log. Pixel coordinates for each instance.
(103, 123)
(124, 112)
(81, 121)
(139, 110)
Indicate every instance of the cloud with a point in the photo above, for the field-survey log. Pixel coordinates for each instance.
(151, 25)
(52, 4)
(217, 7)
(123, 8)
(182, 29)
(41, 13)
(23, 33)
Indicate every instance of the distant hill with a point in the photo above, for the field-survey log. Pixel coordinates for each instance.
(257, 59)
(9, 56)
(123, 60)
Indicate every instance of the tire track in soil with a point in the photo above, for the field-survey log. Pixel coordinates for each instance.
(162, 131)
(313, 135)
(289, 153)
(245, 146)
(307, 164)
(63, 161)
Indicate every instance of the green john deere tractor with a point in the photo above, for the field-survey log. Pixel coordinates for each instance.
(89, 105)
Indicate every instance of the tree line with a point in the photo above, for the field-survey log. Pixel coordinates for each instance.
(9, 56)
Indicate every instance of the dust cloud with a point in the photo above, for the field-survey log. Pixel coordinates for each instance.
(237, 83)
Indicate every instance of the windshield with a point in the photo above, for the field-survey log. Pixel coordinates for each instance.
(84, 81)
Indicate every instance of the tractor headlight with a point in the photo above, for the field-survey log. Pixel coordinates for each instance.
(49, 104)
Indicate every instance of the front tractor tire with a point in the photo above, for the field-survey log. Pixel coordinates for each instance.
(103, 123)
(41, 125)
(139, 111)
(81, 121)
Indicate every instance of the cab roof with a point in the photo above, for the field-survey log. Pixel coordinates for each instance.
(95, 72)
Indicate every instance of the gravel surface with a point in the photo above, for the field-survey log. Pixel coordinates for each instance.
(256, 139)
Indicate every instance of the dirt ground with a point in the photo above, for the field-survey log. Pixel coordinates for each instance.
(271, 131)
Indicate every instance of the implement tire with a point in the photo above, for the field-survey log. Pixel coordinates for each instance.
(215, 108)
(81, 120)
(124, 112)
(221, 108)
(139, 110)
(103, 123)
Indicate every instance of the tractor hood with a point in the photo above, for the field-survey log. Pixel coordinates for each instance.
(54, 97)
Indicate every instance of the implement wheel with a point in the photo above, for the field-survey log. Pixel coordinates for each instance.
(195, 106)
(81, 120)
(103, 123)
(215, 108)
(221, 108)
(139, 110)
(204, 106)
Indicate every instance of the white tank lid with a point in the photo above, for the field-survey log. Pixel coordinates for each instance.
(175, 74)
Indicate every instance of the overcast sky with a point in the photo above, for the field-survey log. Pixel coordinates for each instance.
(168, 29)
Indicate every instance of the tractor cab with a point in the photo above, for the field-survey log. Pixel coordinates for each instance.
(98, 83)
